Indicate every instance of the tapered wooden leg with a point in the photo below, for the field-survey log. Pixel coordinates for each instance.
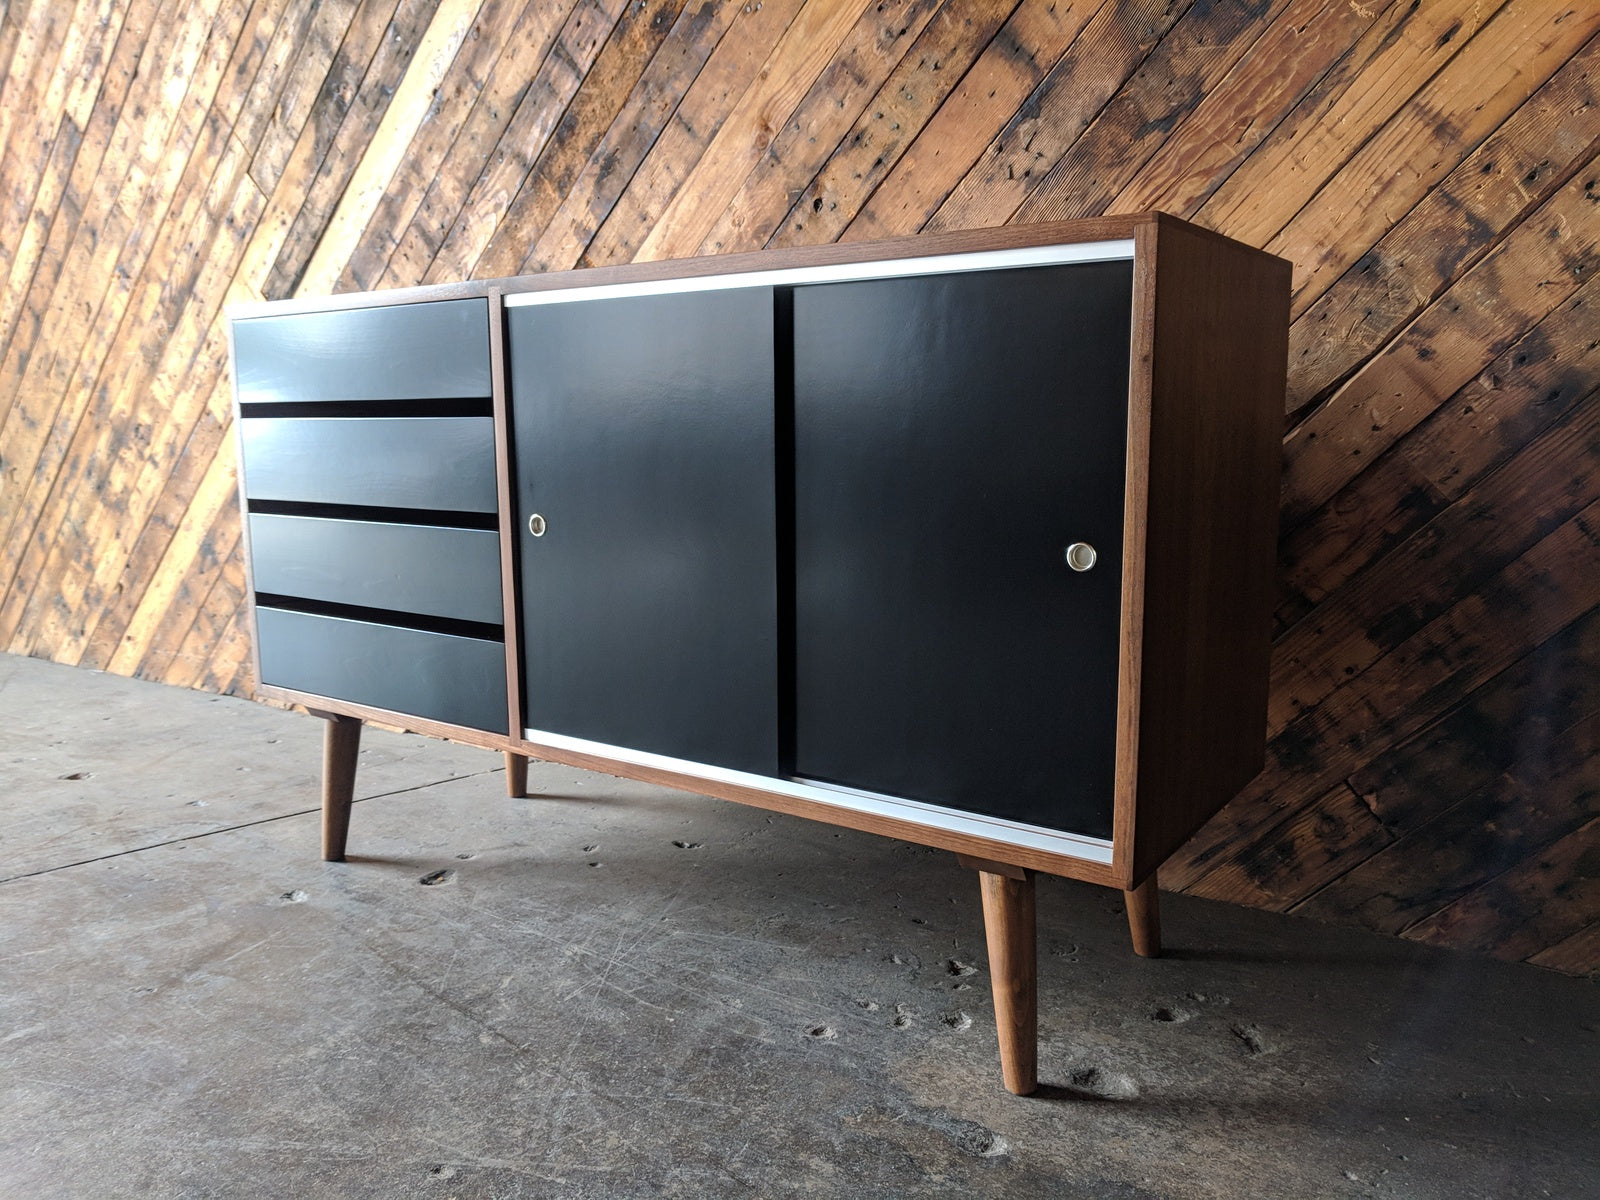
(1008, 922)
(516, 775)
(341, 743)
(1144, 919)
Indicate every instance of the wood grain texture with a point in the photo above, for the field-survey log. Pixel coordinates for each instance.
(1009, 927)
(1219, 326)
(1430, 169)
(341, 749)
(1144, 918)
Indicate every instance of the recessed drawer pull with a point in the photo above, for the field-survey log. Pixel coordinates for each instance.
(536, 525)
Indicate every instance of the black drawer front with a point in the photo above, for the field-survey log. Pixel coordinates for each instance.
(438, 572)
(457, 680)
(433, 351)
(390, 462)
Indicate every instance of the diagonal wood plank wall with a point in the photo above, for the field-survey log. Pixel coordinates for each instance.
(1430, 166)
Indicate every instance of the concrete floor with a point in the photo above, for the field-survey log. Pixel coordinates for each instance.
(618, 990)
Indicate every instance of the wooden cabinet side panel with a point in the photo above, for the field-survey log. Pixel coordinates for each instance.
(1219, 350)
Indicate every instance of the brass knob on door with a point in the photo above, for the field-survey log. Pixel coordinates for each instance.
(1081, 556)
(536, 525)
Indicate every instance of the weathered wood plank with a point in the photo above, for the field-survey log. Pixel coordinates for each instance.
(1553, 789)
(1549, 256)
(1509, 175)
(315, 63)
(941, 57)
(249, 56)
(122, 206)
(804, 50)
(507, 95)
(634, 41)
(1556, 476)
(1534, 905)
(1553, 688)
(365, 73)
(1313, 846)
(536, 119)
(178, 649)
(630, 139)
(54, 100)
(273, 62)
(1396, 56)
(1532, 599)
(503, 27)
(1198, 53)
(408, 109)
(98, 509)
(1575, 955)
(230, 670)
(1275, 76)
(1493, 74)
(114, 435)
(31, 246)
(1006, 75)
(37, 44)
(724, 77)
(183, 432)
(1544, 374)
(193, 659)
(190, 405)
(875, 47)
(214, 494)
(11, 24)
(30, 280)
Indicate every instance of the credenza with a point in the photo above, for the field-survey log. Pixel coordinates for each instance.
(965, 539)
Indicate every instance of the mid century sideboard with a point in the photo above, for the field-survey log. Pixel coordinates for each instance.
(965, 539)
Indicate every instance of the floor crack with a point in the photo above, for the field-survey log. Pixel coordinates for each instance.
(299, 812)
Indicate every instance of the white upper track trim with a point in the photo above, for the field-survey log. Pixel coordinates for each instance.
(941, 264)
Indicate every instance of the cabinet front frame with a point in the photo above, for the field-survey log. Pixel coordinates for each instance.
(1110, 863)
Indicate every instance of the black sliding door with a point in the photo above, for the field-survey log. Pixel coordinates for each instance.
(954, 435)
(644, 450)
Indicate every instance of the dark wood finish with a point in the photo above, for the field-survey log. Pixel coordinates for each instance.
(1198, 588)
(432, 570)
(1144, 918)
(645, 436)
(1009, 870)
(990, 849)
(451, 679)
(442, 463)
(341, 749)
(1008, 925)
(953, 435)
(434, 351)
(516, 775)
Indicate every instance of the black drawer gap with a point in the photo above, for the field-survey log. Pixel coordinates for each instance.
(471, 406)
(382, 616)
(383, 516)
(784, 514)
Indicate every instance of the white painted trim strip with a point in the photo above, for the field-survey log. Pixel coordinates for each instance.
(1015, 833)
(977, 260)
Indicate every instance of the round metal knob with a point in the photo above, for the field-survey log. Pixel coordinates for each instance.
(536, 525)
(1081, 556)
